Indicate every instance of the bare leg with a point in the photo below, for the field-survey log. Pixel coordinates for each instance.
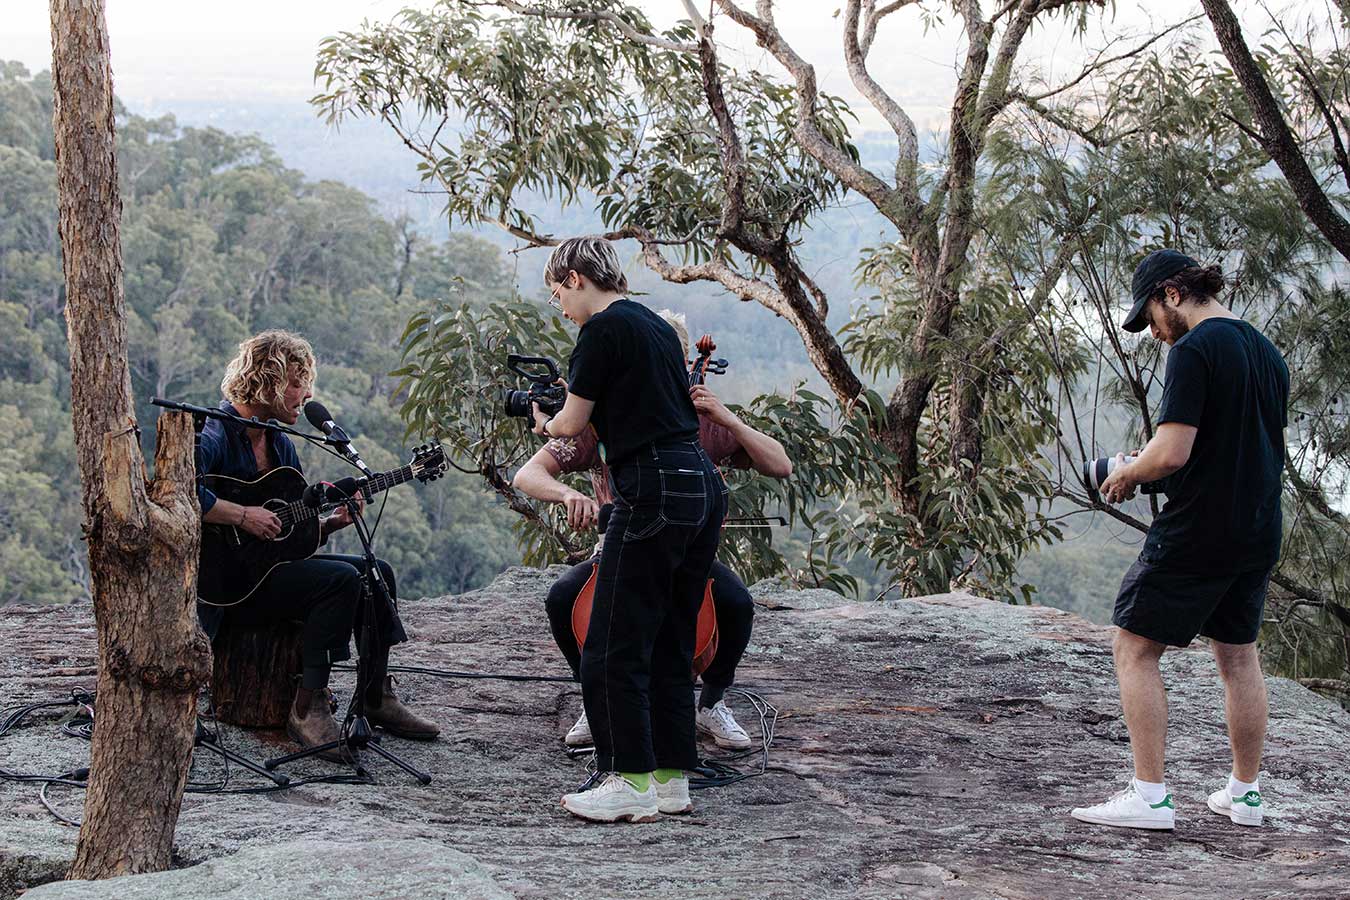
(1245, 705)
(1144, 701)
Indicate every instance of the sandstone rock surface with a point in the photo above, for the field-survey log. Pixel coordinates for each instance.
(926, 748)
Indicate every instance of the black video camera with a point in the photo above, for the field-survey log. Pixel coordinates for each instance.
(542, 390)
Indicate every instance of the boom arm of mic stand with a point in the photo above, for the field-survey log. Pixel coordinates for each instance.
(213, 412)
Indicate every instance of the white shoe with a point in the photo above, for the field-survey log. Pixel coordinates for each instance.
(1129, 810)
(580, 735)
(1244, 810)
(721, 725)
(614, 799)
(672, 798)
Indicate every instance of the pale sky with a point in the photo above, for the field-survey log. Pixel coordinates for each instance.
(264, 49)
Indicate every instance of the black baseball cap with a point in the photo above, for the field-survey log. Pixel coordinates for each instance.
(1158, 266)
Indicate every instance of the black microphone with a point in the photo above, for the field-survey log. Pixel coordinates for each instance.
(342, 489)
(321, 419)
(313, 496)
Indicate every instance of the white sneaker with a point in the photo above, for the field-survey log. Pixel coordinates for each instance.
(1129, 810)
(672, 798)
(1244, 810)
(721, 725)
(614, 799)
(580, 735)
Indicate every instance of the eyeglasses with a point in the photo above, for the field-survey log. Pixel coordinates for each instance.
(554, 300)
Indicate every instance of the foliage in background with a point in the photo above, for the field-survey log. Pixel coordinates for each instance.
(718, 173)
(453, 378)
(219, 240)
(1150, 148)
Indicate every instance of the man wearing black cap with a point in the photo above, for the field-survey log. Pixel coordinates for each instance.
(1203, 570)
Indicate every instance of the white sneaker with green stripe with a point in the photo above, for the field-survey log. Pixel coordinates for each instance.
(1244, 810)
(1129, 810)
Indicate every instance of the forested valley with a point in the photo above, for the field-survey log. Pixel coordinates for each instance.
(221, 240)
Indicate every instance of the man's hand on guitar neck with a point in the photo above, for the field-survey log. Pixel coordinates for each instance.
(342, 517)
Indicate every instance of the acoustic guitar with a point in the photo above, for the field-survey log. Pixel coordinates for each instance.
(234, 563)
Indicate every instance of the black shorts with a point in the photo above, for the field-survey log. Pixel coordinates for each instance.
(1171, 606)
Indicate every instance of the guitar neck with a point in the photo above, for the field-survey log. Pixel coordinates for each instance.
(298, 511)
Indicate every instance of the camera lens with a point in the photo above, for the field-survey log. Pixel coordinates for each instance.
(517, 403)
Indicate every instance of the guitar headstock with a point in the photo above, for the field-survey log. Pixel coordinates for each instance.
(428, 462)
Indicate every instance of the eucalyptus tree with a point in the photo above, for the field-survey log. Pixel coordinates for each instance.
(717, 172)
(142, 536)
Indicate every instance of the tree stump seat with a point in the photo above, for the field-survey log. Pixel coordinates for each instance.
(254, 676)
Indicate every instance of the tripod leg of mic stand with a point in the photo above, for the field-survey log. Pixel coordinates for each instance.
(312, 751)
(402, 764)
(207, 743)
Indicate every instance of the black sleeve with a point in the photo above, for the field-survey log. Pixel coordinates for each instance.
(1184, 387)
(207, 454)
(593, 365)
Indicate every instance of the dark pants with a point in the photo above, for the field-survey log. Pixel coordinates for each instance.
(735, 618)
(324, 592)
(659, 546)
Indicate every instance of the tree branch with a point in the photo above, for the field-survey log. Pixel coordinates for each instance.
(1338, 146)
(1276, 137)
(1099, 63)
(907, 163)
(581, 15)
(807, 128)
(875, 15)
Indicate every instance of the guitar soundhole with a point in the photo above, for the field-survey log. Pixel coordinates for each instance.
(277, 506)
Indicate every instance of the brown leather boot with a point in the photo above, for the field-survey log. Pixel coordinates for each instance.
(397, 719)
(311, 723)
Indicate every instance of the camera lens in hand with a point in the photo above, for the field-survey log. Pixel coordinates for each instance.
(517, 403)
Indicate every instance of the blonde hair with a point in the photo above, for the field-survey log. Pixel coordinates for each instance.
(259, 373)
(676, 320)
(592, 256)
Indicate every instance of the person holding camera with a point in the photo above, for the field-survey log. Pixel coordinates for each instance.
(627, 379)
(1209, 553)
(727, 441)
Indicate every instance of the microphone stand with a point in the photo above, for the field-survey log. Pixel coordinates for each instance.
(356, 730)
(208, 740)
(201, 413)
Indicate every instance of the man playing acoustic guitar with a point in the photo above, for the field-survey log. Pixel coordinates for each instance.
(271, 378)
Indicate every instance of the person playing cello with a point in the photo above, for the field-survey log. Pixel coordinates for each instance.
(727, 441)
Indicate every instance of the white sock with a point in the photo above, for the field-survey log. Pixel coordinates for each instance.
(1151, 792)
(1240, 788)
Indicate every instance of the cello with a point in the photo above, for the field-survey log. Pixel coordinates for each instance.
(705, 635)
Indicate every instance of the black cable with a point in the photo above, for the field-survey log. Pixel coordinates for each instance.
(446, 673)
(79, 778)
(714, 771)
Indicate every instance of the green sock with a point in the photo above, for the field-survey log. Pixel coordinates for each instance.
(639, 780)
(665, 776)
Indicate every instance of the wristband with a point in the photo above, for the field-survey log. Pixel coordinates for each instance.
(243, 514)
(544, 427)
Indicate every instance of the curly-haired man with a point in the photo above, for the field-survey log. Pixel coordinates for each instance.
(271, 378)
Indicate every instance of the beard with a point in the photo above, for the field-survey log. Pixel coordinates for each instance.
(1174, 323)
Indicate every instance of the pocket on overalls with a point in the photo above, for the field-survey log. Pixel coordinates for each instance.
(638, 489)
(684, 496)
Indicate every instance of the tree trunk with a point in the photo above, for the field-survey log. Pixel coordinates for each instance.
(1276, 137)
(255, 673)
(142, 538)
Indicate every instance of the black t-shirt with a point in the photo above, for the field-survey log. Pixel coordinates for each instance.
(1223, 507)
(629, 361)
